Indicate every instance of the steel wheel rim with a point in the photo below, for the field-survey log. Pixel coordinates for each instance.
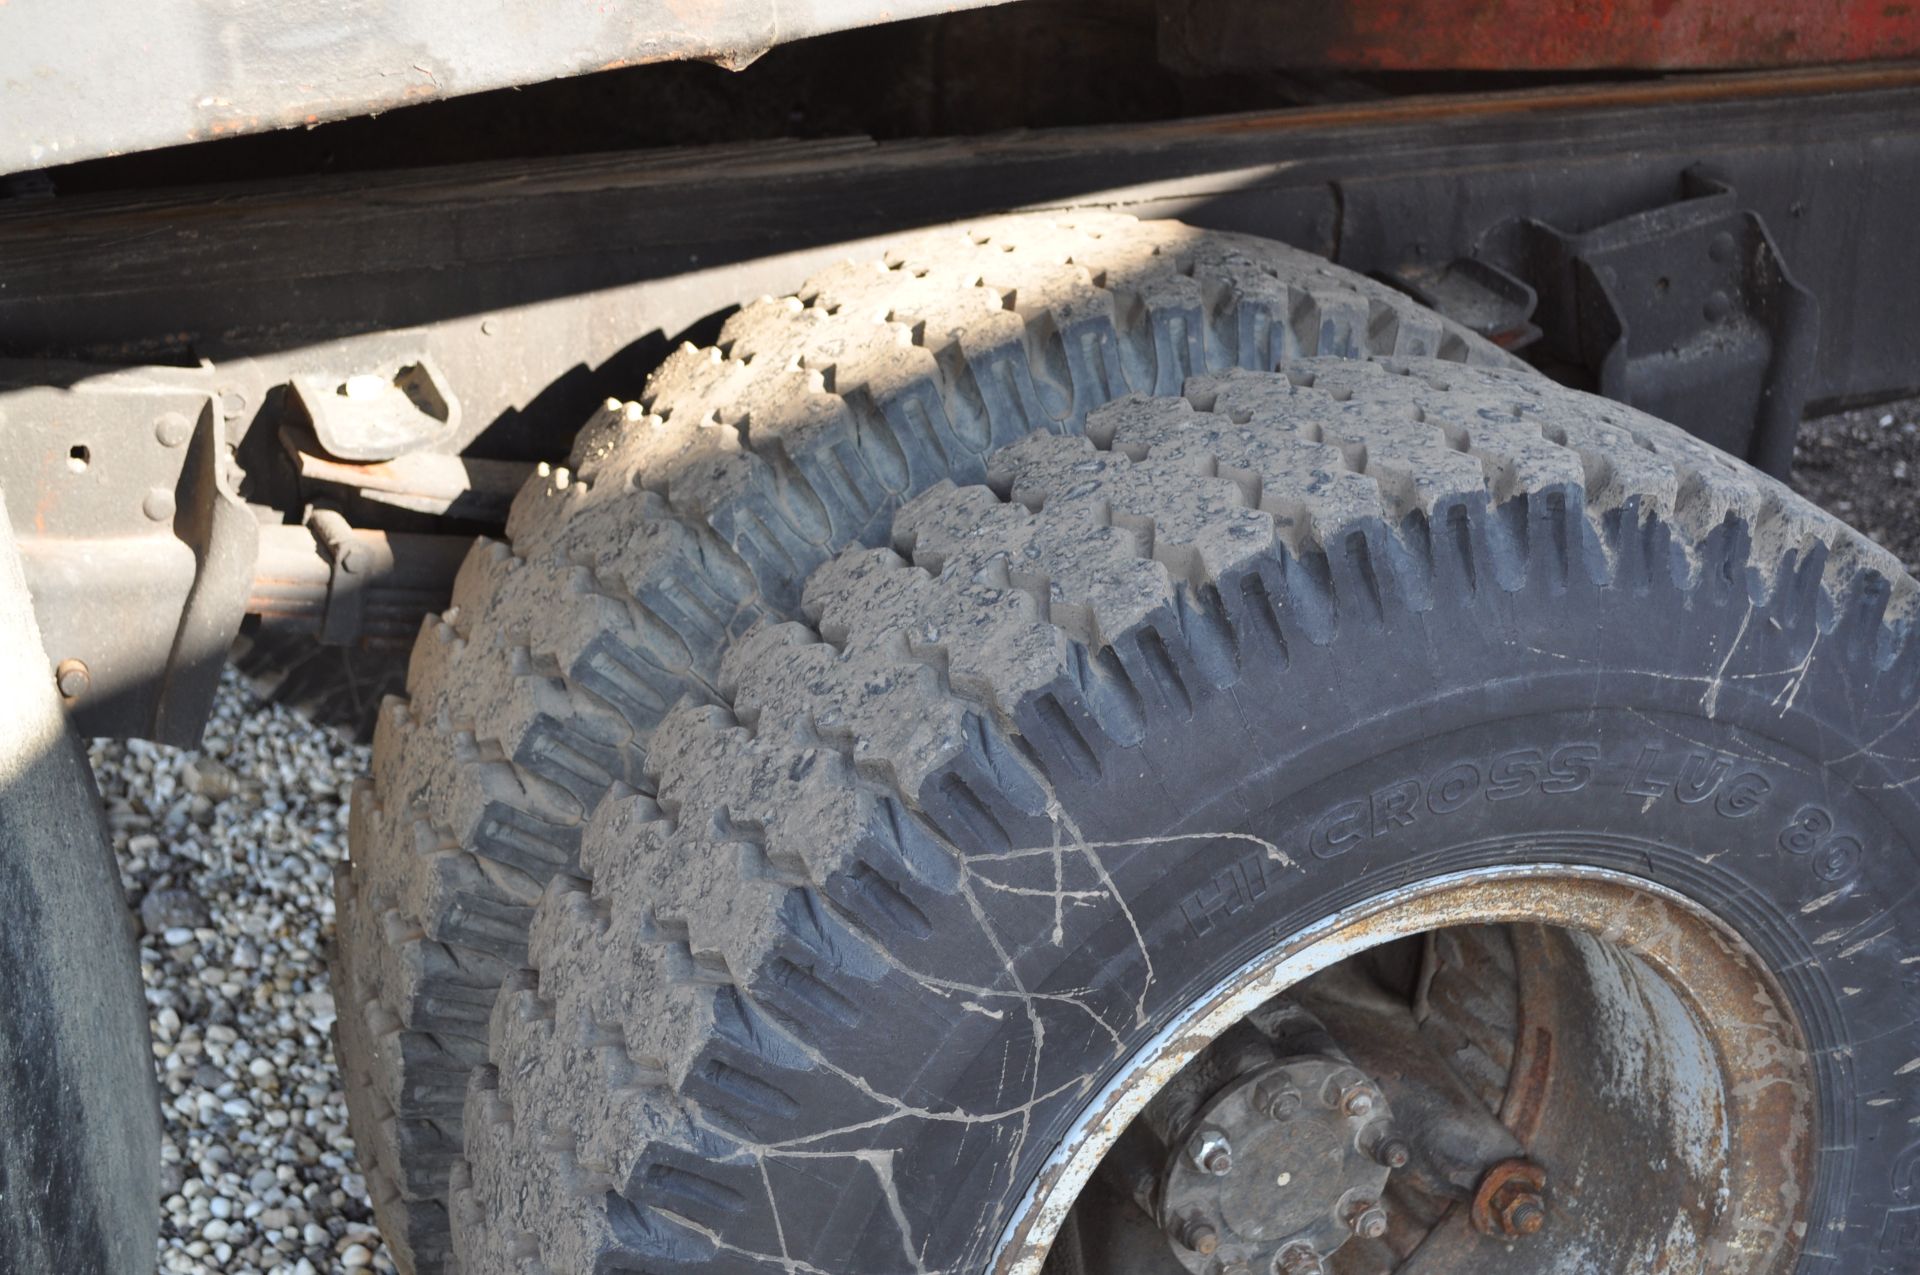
(1772, 1132)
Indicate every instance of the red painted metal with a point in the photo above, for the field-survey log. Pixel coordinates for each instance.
(1528, 35)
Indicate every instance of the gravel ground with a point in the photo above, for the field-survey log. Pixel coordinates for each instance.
(227, 854)
(1864, 466)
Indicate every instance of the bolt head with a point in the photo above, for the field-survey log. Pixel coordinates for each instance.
(158, 504)
(172, 429)
(1211, 1153)
(73, 678)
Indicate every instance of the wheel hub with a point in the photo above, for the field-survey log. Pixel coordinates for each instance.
(1457, 1084)
(1300, 1173)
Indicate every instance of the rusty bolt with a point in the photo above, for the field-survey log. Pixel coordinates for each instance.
(1211, 1153)
(72, 677)
(1511, 1202)
(1358, 1100)
(1392, 1150)
(1298, 1259)
(1368, 1219)
(1279, 1101)
(1524, 1213)
(1199, 1237)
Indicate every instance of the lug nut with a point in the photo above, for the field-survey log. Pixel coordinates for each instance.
(1358, 1100)
(1298, 1259)
(1524, 1214)
(73, 678)
(1278, 1101)
(1368, 1219)
(1211, 1153)
(1200, 1237)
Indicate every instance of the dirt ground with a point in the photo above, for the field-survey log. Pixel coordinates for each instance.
(1864, 467)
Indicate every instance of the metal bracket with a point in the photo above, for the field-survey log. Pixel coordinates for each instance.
(370, 416)
(137, 550)
(1686, 311)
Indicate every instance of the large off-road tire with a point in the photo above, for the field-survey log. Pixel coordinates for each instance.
(686, 517)
(79, 1110)
(937, 860)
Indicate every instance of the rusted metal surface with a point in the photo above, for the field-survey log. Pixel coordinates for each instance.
(1509, 1201)
(1520, 35)
(136, 547)
(1733, 1105)
(461, 487)
(85, 78)
(350, 586)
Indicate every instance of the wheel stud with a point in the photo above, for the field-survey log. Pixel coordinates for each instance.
(1511, 1201)
(1358, 1100)
(1524, 1214)
(1368, 1219)
(1199, 1237)
(1391, 1149)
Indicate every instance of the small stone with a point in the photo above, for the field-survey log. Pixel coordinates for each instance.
(207, 778)
(164, 911)
(356, 1257)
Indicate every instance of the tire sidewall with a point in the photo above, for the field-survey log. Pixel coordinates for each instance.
(1687, 736)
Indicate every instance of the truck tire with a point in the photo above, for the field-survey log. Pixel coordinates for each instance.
(938, 866)
(79, 1110)
(684, 518)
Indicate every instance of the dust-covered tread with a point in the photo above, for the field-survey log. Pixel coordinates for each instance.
(684, 517)
(806, 844)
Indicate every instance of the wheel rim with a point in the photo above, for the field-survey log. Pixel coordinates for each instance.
(1644, 1025)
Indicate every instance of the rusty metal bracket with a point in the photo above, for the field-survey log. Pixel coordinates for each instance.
(137, 549)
